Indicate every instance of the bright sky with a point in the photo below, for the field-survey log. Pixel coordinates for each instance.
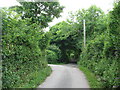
(70, 5)
(74, 5)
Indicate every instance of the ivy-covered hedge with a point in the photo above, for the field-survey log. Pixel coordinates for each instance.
(105, 68)
(21, 54)
(102, 54)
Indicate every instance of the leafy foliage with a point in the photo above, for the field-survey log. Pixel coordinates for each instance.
(105, 67)
(21, 53)
(44, 41)
(39, 12)
(53, 54)
(62, 35)
(101, 54)
(24, 42)
(95, 23)
(92, 79)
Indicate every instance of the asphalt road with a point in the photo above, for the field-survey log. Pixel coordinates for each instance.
(65, 76)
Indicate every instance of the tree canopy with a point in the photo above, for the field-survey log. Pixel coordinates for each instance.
(66, 38)
(40, 12)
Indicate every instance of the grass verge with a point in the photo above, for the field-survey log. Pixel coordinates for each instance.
(92, 80)
(36, 78)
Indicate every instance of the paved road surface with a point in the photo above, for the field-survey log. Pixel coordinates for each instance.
(65, 76)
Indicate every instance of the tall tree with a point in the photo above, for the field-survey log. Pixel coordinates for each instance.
(95, 20)
(40, 12)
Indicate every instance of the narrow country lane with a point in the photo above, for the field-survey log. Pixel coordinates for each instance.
(65, 76)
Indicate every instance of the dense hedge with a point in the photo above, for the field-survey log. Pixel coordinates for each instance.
(21, 53)
(105, 68)
(102, 54)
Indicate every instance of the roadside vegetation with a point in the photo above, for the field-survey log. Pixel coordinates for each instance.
(27, 48)
(36, 78)
(93, 81)
(102, 52)
(24, 42)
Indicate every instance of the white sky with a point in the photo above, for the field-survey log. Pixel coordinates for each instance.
(74, 5)
(70, 5)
